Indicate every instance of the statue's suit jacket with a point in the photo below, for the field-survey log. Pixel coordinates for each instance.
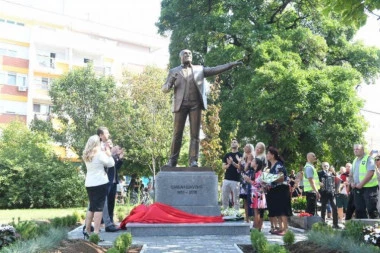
(199, 74)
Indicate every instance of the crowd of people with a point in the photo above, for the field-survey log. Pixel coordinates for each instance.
(244, 178)
(261, 180)
(257, 176)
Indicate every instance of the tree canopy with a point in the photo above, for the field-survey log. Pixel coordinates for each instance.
(296, 90)
(80, 101)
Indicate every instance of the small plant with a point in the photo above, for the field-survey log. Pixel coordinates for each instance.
(120, 216)
(275, 248)
(121, 213)
(299, 203)
(322, 227)
(94, 238)
(258, 241)
(123, 242)
(289, 238)
(7, 235)
(354, 230)
(112, 250)
(27, 229)
(77, 216)
(56, 222)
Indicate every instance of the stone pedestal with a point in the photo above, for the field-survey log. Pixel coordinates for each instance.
(190, 189)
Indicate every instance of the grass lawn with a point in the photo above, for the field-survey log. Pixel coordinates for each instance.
(6, 215)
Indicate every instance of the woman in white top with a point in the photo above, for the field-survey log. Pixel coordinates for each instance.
(96, 180)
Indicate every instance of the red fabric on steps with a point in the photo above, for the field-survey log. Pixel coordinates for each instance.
(161, 213)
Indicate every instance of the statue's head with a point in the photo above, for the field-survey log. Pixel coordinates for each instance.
(186, 56)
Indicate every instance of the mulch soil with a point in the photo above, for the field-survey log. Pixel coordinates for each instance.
(298, 247)
(83, 246)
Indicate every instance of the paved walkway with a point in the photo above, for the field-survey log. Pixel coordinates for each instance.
(182, 244)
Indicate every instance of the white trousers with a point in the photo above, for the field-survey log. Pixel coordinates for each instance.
(228, 187)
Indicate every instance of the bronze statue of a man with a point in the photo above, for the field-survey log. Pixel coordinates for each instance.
(187, 80)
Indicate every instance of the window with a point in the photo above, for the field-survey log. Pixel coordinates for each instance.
(85, 60)
(52, 60)
(45, 83)
(12, 78)
(42, 109)
(21, 80)
(36, 108)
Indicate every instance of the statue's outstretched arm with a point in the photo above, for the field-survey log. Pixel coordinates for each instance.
(212, 71)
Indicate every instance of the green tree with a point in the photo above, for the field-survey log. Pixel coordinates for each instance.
(211, 143)
(80, 101)
(352, 11)
(148, 126)
(31, 175)
(296, 91)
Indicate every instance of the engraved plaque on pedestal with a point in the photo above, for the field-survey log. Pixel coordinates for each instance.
(193, 190)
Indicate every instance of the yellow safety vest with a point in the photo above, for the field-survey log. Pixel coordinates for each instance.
(363, 172)
(306, 184)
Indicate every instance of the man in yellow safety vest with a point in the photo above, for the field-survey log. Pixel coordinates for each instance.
(311, 184)
(364, 183)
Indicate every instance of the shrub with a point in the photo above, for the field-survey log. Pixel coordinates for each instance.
(121, 213)
(94, 238)
(354, 230)
(289, 238)
(27, 229)
(271, 248)
(112, 250)
(123, 242)
(56, 222)
(7, 235)
(299, 203)
(322, 227)
(258, 241)
(34, 177)
(78, 217)
(72, 220)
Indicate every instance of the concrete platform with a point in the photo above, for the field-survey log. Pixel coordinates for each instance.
(192, 229)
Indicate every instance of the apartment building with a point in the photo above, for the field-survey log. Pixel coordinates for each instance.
(38, 45)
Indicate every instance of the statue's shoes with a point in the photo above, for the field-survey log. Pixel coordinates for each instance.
(194, 164)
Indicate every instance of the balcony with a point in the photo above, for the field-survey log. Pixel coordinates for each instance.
(46, 64)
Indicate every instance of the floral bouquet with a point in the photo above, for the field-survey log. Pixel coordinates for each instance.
(268, 178)
(231, 214)
(372, 234)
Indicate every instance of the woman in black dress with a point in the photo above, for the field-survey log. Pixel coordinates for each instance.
(278, 198)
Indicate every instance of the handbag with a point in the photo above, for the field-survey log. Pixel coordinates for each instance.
(262, 202)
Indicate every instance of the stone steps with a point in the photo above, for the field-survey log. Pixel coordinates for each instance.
(188, 229)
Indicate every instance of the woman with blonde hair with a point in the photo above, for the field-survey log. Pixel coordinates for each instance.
(245, 169)
(96, 181)
(260, 153)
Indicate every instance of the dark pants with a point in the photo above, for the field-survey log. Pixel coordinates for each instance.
(365, 202)
(193, 109)
(111, 199)
(350, 205)
(311, 203)
(326, 197)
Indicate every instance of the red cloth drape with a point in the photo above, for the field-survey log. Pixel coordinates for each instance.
(161, 213)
